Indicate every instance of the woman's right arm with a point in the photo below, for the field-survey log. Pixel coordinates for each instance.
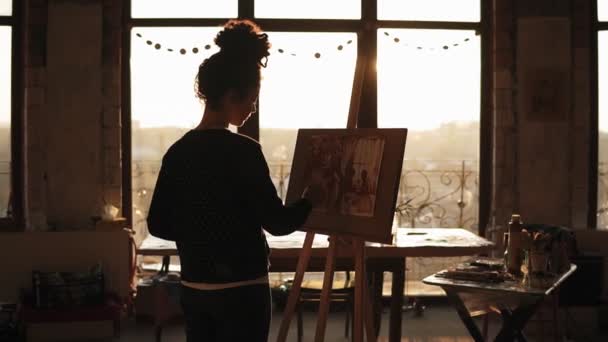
(276, 218)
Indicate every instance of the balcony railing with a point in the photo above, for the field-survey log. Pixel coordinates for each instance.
(602, 196)
(5, 187)
(432, 193)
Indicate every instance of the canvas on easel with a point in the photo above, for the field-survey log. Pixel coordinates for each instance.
(352, 176)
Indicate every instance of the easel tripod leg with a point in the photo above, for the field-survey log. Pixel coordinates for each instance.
(328, 280)
(294, 293)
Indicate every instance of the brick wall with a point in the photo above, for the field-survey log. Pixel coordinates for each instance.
(541, 156)
(99, 122)
(35, 90)
(505, 192)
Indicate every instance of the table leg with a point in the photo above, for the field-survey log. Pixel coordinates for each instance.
(375, 277)
(515, 321)
(164, 268)
(464, 315)
(397, 287)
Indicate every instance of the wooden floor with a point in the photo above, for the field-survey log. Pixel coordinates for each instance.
(437, 324)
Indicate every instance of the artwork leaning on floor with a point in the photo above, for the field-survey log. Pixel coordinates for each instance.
(352, 177)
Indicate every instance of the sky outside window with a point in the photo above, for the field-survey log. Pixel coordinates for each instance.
(430, 10)
(307, 85)
(162, 81)
(184, 8)
(6, 7)
(427, 77)
(602, 10)
(308, 9)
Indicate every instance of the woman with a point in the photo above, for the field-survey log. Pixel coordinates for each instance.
(214, 194)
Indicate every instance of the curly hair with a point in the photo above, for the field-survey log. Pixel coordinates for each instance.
(243, 51)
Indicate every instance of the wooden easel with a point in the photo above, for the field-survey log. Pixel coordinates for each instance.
(362, 297)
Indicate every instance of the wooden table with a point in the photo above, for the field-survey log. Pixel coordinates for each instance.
(516, 301)
(408, 242)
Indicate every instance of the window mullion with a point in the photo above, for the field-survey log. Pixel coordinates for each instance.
(251, 128)
(246, 9)
(368, 50)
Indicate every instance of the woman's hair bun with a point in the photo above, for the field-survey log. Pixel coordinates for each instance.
(243, 39)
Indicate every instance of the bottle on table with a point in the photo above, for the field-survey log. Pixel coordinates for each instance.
(514, 248)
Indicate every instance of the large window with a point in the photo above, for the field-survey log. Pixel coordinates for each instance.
(429, 82)
(602, 40)
(6, 103)
(428, 58)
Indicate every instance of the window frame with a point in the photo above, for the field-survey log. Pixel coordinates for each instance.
(366, 29)
(16, 222)
(593, 197)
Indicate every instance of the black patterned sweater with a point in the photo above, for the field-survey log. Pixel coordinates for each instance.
(213, 196)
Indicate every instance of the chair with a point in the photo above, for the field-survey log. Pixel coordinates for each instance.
(166, 301)
(158, 296)
(342, 291)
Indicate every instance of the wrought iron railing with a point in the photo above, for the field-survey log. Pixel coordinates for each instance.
(602, 196)
(5, 187)
(432, 193)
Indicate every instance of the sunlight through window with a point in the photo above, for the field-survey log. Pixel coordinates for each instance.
(602, 10)
(6, 7)
(416, 68)
(429, 10)
(164, 64)
(429, 82)
(308, 80)
(307, 84)
(184, 8)
(5, 117)
(308, 9)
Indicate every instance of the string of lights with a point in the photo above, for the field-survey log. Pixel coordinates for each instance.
(340, 47)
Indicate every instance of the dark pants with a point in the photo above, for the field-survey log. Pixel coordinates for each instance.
(235, 314)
